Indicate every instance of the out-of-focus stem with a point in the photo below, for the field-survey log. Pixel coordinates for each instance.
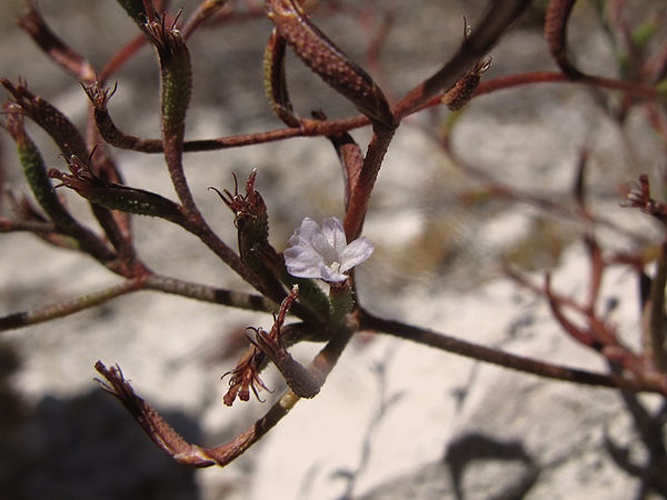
(654, 337)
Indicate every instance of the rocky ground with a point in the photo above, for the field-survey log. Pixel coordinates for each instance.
(395, 420)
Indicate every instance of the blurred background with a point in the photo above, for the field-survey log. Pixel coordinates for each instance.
(441, 229)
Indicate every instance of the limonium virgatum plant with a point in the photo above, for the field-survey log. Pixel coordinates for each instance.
(312, 283)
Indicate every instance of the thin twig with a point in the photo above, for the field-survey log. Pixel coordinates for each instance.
(67, 307)
(507, 360)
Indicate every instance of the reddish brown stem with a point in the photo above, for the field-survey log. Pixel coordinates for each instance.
(361, 191)
(186, 453)
(637, 90)
(120, 58)
(507, 360)
(308, 128)
(72, 61)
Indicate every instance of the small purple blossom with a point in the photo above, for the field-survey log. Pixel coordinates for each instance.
(324, 253)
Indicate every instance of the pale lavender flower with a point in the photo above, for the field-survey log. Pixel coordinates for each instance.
(324, 253)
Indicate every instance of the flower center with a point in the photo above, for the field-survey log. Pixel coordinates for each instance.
(335, 266)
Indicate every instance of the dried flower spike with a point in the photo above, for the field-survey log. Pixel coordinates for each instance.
(328, 61)
(463, 90)
(115, 196)
(459, 94)
(639, 196)
(324, 253)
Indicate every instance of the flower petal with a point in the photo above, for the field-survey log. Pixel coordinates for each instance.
(305, 231)
(323, 252)
(330, 275)
(303, 261)
(355, 253)
(332, 229)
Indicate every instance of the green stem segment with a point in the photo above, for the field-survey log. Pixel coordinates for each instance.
(176, 88)
(40, 185)
(341, 303)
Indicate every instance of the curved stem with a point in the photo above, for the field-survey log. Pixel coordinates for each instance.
(166, 437)
(555, 33)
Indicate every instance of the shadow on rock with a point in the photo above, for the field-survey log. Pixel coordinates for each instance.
(89, 447)
(479, 456)
(474, 466)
